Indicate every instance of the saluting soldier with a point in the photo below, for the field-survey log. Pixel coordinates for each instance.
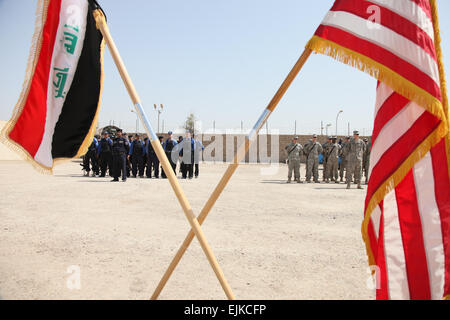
(312, 150)
(332, 162)
(355, 151)
(294, 151)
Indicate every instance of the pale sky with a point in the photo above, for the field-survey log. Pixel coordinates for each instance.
(222, 60)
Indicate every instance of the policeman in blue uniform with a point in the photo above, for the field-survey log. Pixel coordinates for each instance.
(120, 149)
(104, 152)
(128, 162)
(152, 160)
(137, 153)
(91, 157)
(168, 146)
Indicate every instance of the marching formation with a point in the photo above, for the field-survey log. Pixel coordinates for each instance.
(351, 155)
(127, 156)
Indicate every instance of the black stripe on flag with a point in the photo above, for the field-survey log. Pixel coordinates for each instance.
(82, 100)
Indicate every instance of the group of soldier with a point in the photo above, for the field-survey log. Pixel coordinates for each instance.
(351, 155)
(127, 156)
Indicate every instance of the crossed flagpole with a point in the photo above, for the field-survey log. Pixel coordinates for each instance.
(195, 223)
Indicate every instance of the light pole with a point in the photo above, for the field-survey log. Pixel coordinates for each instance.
(137, 121)
(159, 110)
(337, 117)
(328, 125)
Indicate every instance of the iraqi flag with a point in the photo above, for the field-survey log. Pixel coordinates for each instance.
(57, 112)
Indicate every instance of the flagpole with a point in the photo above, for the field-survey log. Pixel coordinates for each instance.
(240, 154)
(103, 27)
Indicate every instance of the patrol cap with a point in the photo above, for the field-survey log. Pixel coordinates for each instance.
(138, 135)
(106, 132)
(295, 138)
(314, 136)
(170, 132)
(119, 130)
(347, 137)
(356, 132)
(330, 137)
(366, 140)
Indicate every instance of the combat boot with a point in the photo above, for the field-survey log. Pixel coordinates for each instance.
(289, 181)
(359, 186)
(348, 184)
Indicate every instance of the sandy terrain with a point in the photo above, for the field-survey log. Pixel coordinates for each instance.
(273, 240)
(5, 153)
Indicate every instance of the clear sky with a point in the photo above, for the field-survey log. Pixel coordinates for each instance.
(222, 60)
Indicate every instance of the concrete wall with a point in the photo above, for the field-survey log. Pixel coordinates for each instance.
(260, 152)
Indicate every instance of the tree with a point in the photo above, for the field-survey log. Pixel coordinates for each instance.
(189, 124)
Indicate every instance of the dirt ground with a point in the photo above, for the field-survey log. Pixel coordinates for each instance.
(72, 237)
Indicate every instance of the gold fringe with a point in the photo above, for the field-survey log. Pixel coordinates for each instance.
(408, 90)
(35, 50)
(447, 297)
(434, 138)
(41, 16)
(380, 72)
(88, 139)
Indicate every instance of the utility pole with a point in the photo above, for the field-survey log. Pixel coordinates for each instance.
(337, 117)
(295, 127)
(159, 110)
(214, 126)
(348, 129)
(327, 126)
(242, 126)
(321, 128)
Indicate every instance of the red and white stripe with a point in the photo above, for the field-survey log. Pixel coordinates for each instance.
(402, 40)
(46, 108)
(409, 230)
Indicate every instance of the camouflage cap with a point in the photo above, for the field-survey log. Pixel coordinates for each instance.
(356, 132)
(314, 136)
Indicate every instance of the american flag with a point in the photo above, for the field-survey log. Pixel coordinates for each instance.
(406, 224)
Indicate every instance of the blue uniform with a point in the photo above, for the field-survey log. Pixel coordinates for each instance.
(152, 161)
(104, 153)
(186, 148)
(168, 147)
(91, 158)
(137, 153)
(120, 149)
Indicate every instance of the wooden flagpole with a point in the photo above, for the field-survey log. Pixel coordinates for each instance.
(232, 168)
(103, 27)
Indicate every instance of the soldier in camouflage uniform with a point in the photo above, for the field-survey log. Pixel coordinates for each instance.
(294, 151)
(325, 147)
(366, 160)
(312, 151)
(332, 162)
(343, 156)
(355, 151)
